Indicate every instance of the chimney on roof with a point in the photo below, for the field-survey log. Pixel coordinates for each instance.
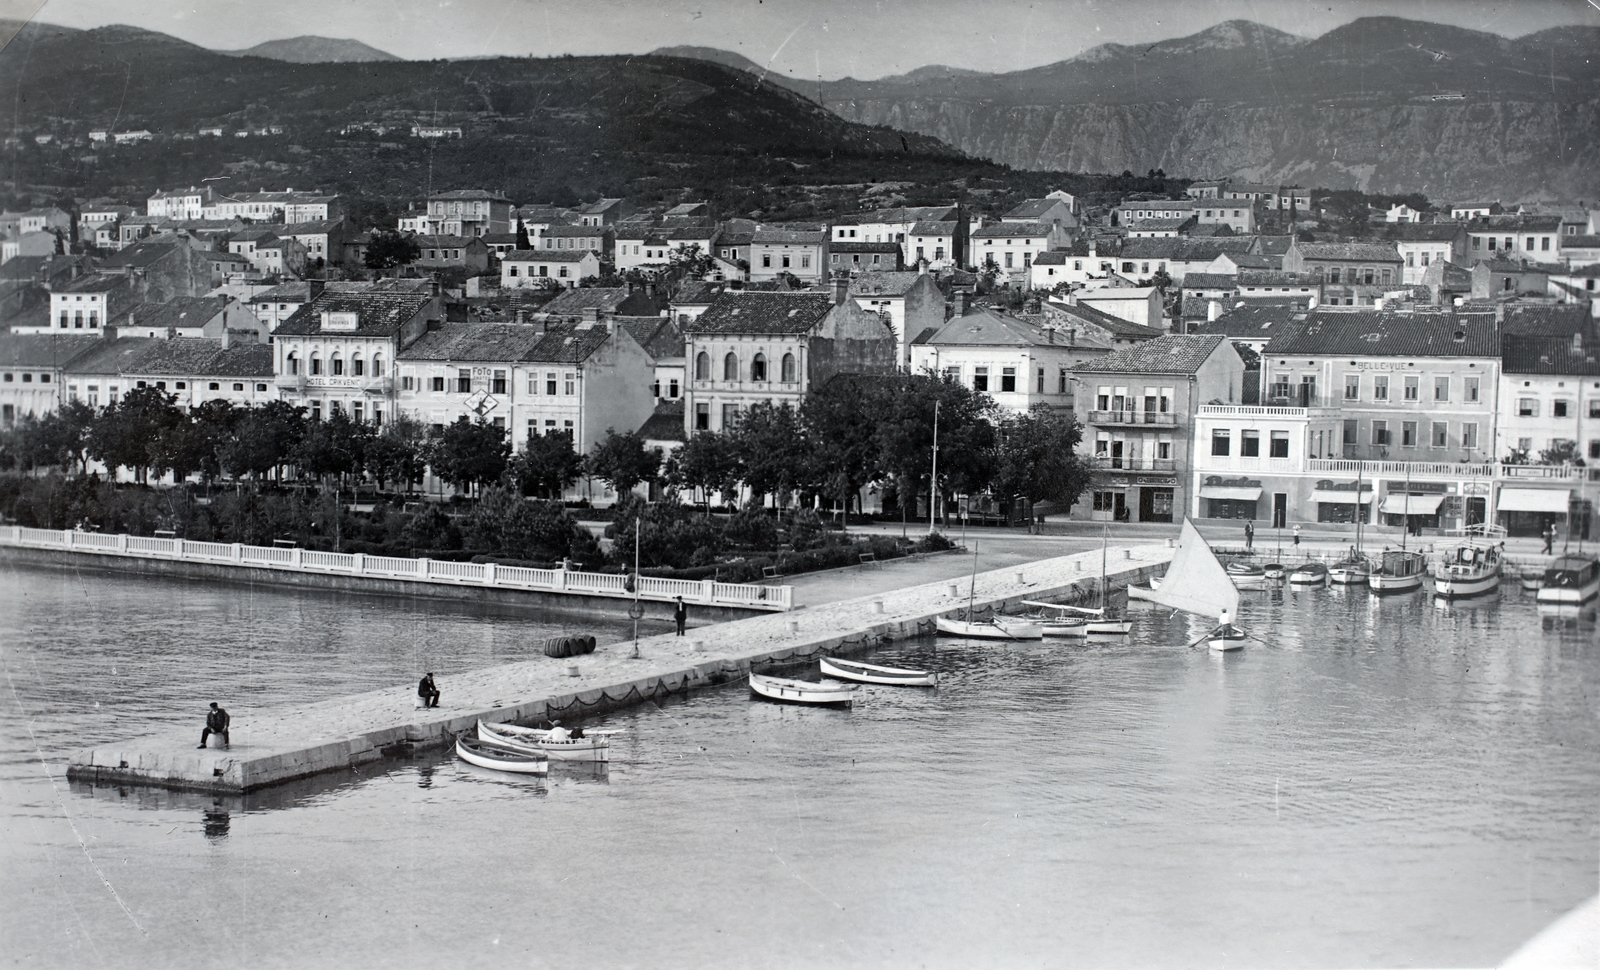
(591, 316)
(522, 315)
(959, 302)
(841, 287)
(1213, 310)
(1499, 314)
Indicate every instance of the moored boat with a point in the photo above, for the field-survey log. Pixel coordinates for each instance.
(513, 737)
(1472, 567)
(475, 752)
(998, 628)
(788, 691)
(1247, 576)
(1272, 570)
(1532, 580)
(866, 673)
(1061, 620)
(1571, 579)
(1399, 572)
(1309, 574)
(1352, 570)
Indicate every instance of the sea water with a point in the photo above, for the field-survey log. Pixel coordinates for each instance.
(1371, 782)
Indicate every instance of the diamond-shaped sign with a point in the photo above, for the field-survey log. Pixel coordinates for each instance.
(481, 403)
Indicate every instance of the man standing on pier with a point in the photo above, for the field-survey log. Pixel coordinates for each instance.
(680, 613)
(217, 721)
(1249, 535)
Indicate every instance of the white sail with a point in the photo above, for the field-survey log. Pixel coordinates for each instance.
(1196, 581)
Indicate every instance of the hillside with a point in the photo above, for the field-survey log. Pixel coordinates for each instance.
(311, 49)
(1381, 103)
(643, 127)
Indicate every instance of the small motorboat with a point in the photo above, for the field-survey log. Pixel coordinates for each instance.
(1531, 581)
(583, 746)
(874, 674)
(1474, 566)
(475, 752)
(1400, 572)
(801, 691)
(1352, 570)
(1272, 570)
(1571, 580)
(1309, 574)
(998, 628)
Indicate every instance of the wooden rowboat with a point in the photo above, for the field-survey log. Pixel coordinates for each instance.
(873, 674)
(1000, 628)
(475, 752)
(532, 741)
(801, 691)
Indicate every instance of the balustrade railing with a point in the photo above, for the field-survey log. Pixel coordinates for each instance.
(703, 592)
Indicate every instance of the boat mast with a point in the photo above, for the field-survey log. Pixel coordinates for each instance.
(1105, 537)
(1360, 515)
(972, 594)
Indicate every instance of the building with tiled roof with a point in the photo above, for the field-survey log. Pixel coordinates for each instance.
(1549, 394)
(1422, 244)
(910, 301)
(865, 257)
(1139, 405)
(603, 301)
(32, 369)
(800, 251)
(1019, 362)
(1059, 209)
(1531, 237)
(1159, 228)
(1011, 247)
(338, 351)
(756, 346)
(664, 428)
(188, 317)
(547, 267)
(1580, 249)
(192, 371)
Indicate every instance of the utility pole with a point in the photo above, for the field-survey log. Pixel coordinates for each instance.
(933, 481)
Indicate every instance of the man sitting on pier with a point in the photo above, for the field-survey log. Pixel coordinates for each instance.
(217, 722)
(428, 692)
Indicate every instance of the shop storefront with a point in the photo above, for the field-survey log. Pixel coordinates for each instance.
(1230, 498)
(1342, 501)
(1529, 511)
(1420, 511)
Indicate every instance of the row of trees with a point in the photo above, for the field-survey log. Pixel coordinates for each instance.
(847, 434)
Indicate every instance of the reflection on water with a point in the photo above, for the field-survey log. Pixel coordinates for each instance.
(1374, 781)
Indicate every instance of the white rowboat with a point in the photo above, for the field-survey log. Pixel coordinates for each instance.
(873, 674)
(484, 756)
(801, 691)
(512, 737)
(999, 628)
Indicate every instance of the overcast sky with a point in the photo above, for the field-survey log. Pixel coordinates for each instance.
(805, 38)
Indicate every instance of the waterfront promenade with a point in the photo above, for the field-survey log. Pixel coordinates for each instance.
(295, 741)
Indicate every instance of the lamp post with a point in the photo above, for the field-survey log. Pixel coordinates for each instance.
(933, 481)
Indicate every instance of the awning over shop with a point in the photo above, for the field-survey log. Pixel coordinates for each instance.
(1234, 493)
(1411, 504)
(1345, 495)
(1535, 500)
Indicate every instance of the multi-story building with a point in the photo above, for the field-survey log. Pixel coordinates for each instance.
(180, 205)
(1013, 246)
(934, 233)
(193, 372)
(594, 239)
(546, 267)
(276, 304)
(1135, 304)
(800, 251)
(1464, 211)
(468, 212)
(638, 246)
(1017, 362)
(1057, 209)
(603, 212)
(1139, 405)
(32, 369)
(1532, 237)
(83, 305)
(1352, 274)
(751, 346)
(190, 317)
(1548, 427)
(338, 351)
(1423, 244)
(912, 302)
(864, 257)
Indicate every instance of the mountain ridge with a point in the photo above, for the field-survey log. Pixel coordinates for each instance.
(314, 49)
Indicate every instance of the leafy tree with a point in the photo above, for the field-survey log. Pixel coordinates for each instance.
(332, 448)
(905, 435)
(671, 534)
(507, 523)
(769, 443)
(841, 428)
(129, 433)
(690, 262)
(523, 242)
(1562, 451)
(708, 462)
(263, 440)
(622, 461)
(59, 438)
(1036, 456)
(468, 453)
(547, 464)
(394, 455)
(387, 249)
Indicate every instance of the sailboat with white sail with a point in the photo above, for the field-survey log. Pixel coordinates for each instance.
(1196, 582)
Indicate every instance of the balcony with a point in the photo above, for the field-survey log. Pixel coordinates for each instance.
(1252, 411)
(290, 382)
(381, 386)
(1162, 419)
(1107, 463)
(1350, 468)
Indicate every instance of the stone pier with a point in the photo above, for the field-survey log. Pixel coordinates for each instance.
(278, 745)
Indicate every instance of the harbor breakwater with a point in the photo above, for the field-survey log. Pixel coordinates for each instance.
(279, 744)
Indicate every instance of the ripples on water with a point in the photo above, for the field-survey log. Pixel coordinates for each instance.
(1382, 783)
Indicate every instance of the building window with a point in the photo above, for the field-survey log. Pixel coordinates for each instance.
(1441, 388)
(463, 381)
(1408, 434)
(758, 368)
(1380, 388)
(1594, 408)
(1413, 388)
(1008, 379)
(1558, 409)
(1527, 407)
(766, 260)
(785, 260)
(1279, 445)
(702, 417)
(1380, 434)
(702, 366)
(788, 372)
(1061, 376)
(980, 378)
(730, 367)
(438, 384)
(1039, 388)
(337, 365)
(730, 416)
(1441, 434)
(672, 388)
(1352, 387)
(1469, 434)
(1220, 443)
(550, 385)
(569, 384)
(1469, 389)
(1249, 444)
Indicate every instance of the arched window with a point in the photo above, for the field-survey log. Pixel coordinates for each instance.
(292, 362)
(316, 365)
(758, 368)
(730, 367)
(337, 366)
(356, 365)
(702, 367)
(377, 365)
(788, 369)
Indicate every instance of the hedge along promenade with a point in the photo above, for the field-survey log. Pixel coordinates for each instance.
(279, 744)
(266, 560)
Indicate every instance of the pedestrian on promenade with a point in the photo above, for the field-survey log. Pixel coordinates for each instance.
(1249, 535)
(1549, 538)
(680, 614)
(217, 721)
(1297, 537)
(428, 692)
